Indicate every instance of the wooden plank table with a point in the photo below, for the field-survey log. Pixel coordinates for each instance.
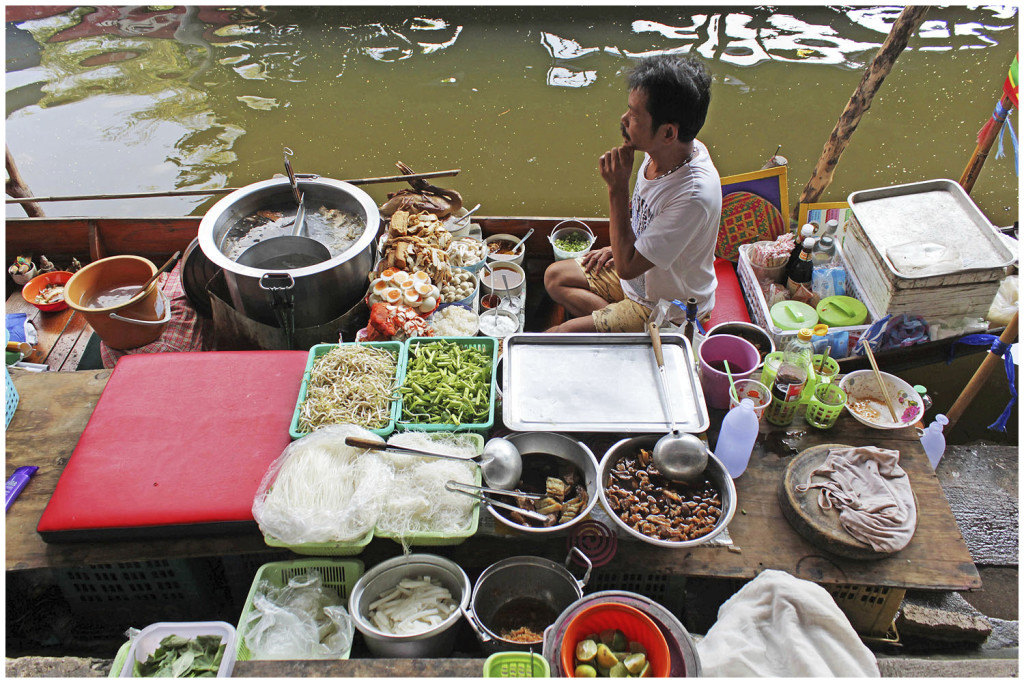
(63, 335)
(55, 408)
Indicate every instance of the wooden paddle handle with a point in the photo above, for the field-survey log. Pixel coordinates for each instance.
(360, 442)
(652, 330)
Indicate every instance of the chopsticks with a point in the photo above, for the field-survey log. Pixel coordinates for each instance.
(881, 383)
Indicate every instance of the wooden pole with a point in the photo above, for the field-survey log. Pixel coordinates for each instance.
(16, 187)
(22, 199)
(977, 382)
(988, 136)
(905, 26)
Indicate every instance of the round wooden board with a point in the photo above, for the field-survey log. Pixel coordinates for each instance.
(820, 527)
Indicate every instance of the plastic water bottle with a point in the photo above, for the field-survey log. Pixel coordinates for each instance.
(736, 438)
(932, 440)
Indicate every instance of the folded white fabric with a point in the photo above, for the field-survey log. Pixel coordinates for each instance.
(872, 494)
(781, 626)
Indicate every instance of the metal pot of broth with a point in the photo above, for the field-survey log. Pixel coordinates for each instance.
(322, 285)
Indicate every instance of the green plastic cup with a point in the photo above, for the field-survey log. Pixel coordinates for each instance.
(826, 376)
(825, 405)
(771, 368)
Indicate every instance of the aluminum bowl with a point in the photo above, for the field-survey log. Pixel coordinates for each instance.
(560, 446)
(716, 473)
(438, 641)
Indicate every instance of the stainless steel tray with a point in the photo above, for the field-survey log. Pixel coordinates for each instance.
(598, 383)
(929, 211)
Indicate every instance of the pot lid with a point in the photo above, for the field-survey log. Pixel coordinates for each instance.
(793, 315)
(842, 311)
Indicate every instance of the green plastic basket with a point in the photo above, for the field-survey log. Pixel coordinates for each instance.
(437, 538)
(488, 345)
(119, 660)
(825, 406)
(516, 665)
(340, 575)
(331, 549)
(396, 348)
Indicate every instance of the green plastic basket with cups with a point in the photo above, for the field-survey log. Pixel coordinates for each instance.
(338, 575)
(825, 405)
(516, 665)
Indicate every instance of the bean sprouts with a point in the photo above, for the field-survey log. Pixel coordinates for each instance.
(350, 384)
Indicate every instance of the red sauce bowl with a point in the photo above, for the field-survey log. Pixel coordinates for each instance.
(613, 615)
(32, 288)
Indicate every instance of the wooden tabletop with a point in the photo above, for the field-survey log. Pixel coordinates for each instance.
(55, 407)
(63, 335)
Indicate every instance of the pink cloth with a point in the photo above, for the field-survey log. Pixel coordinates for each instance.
(872, 494)
(183, 332)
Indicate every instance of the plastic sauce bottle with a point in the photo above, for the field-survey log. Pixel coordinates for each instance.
(800, 273)
(824, 252)
(932, 440)
(831, 228)
(736, 438)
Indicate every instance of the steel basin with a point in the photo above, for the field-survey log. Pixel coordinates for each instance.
(323, 291)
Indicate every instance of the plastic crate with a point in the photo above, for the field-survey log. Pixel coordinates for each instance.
(11, 397)
(136, 591)
(759, 306)
(870, 609)
(490, 346)
(396, 348)
(428, 538)
(516, 665)
(339, 575)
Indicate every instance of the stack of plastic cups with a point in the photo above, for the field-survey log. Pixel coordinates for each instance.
(820, 375)
(825, 406)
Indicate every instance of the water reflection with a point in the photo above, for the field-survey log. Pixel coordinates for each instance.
(198, 95)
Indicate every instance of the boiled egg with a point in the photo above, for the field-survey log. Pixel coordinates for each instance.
(392, 295)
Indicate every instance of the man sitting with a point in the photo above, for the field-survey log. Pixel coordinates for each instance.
(663, 242)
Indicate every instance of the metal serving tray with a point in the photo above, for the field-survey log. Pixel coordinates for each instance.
(929, 211)
(598, 383)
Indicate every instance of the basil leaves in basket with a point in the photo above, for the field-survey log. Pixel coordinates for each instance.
(179, 657)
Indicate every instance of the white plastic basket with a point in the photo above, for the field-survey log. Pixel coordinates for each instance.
(11, 397)
(571, 226)
(148, 640)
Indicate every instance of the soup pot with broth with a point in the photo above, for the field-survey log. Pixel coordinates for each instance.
(339, 215)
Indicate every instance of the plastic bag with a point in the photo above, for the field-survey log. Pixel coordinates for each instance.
(775, 294)
(954, 326)
(319, 490)
(917, 259)
(303, 620)
(1006, 302)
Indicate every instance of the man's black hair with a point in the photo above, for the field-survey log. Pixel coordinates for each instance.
(678, 91)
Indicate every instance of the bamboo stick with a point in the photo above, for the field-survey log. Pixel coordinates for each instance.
(977, 382)
(16, 187)
(223, 190)
(904, 26)
(988, 137)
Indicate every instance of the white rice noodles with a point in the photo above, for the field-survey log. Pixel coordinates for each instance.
(418, 501)
(320, 490)
(411, 607)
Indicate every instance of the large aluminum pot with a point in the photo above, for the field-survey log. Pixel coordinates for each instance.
(514, 579)
(321, 292)
(438, 641)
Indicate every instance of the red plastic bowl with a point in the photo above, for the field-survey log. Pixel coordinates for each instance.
(631, 621)
(32, 288)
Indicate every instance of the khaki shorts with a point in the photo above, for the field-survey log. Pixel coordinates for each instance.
(622, 314)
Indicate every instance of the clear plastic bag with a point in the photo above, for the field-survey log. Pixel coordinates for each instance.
(917, 259)
(319, 490)
(302, 620)
(1006, 302)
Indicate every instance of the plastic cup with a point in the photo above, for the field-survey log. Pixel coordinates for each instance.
(742, 357)
(755, 391)
(825, 405)
(826, 376)
(771, 367)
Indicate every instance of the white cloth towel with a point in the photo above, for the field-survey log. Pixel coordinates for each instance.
(872, 494)
(781, 626)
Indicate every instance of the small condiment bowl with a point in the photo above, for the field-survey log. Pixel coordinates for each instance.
(488, 317)
(715, 471)
(493, 275)
(34, 286)
(862, 385)
(517, 258)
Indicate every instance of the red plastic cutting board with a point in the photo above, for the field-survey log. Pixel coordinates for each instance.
(177, 445)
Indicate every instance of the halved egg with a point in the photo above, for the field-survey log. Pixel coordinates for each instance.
(401, 276)
(420, 276)
(389, 274)
(411, 298)
(392, 295)
(424, 288)
(379, 285)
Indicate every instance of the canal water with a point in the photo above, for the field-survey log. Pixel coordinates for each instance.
(523, 100)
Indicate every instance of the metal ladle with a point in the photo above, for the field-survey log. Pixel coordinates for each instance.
(678, 456)
(501, 464)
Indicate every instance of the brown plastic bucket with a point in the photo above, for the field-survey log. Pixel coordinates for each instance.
(134, 323)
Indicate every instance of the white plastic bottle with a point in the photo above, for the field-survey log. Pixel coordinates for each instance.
(736, 438)
(933, 440)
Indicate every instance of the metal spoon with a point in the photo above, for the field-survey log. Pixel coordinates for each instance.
(678, 456)
(518, 244)
(501, 464)
(461, 220)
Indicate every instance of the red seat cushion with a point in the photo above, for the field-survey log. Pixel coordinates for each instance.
(729, 304)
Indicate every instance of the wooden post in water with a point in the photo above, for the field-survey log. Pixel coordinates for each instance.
(974, 386)
(987, 136)
(16, 187)
(905, 26)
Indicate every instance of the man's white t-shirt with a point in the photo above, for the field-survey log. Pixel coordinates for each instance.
(675, 219)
